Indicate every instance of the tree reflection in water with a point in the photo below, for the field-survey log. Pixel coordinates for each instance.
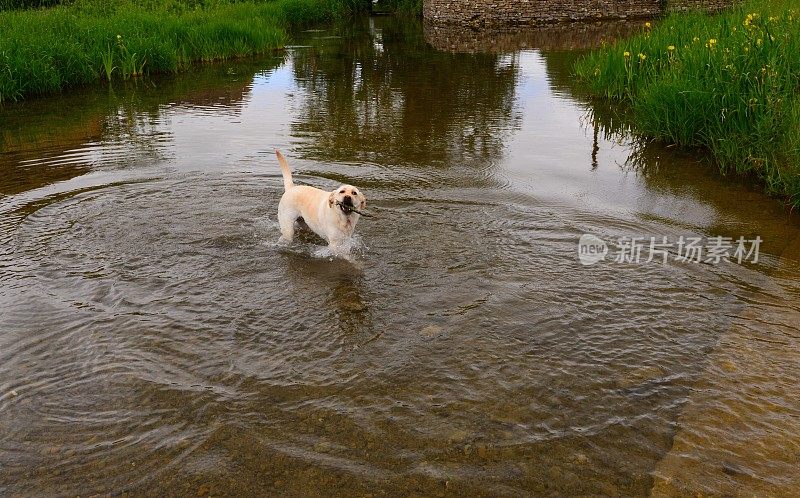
(391, 98)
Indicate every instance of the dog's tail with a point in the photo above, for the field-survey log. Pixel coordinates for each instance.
(287, 173)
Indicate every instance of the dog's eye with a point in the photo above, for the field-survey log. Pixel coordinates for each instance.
(355, 193)
(341, 191)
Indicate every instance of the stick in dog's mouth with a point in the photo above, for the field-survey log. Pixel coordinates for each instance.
(349, 208)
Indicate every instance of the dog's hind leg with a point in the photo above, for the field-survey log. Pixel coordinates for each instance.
(286, 218)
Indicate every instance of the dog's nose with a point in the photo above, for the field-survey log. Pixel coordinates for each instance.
(348, 199)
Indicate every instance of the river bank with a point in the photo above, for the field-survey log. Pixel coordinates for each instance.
(49, 49)
(726, 83)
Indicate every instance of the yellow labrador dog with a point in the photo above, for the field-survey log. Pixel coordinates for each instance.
(331, 215)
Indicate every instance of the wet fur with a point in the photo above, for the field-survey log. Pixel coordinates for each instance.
(318, 209)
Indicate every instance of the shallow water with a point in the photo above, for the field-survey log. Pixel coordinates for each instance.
(155, 338)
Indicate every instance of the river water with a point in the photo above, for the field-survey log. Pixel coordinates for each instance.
(155, 339)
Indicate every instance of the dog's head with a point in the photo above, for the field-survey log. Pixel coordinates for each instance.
(347, 198)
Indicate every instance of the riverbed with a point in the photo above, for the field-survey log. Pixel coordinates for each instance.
(155, 337)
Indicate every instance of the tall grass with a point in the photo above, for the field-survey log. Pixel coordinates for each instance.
(46, 50)
(27, 4)
(728, 83)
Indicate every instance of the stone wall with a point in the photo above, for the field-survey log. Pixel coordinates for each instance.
(504, 39)
(478, 13)
(698, 5)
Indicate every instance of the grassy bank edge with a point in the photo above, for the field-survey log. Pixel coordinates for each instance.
(48, 50)
(727, 83)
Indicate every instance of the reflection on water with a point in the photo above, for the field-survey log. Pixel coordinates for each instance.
(156, 340)
(576, 36)
(395, 101)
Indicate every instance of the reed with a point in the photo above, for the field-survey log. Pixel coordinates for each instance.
(727, 82)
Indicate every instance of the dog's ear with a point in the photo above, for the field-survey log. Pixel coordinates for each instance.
(331, 199)
(363, 202)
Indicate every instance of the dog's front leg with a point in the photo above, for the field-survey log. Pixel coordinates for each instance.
(337, 241)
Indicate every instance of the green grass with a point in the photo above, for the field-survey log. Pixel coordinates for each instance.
(46, 50)
(729, 83)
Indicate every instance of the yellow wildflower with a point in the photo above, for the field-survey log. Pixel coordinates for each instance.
(647, 25)
(642, 56)
(626, 54)
(759, 42)
(671, 48)
(696, 39)
(711, 43)
(749, 20)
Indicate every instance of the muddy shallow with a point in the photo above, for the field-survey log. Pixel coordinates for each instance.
(154, 338)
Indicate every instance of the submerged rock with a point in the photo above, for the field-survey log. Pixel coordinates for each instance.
(639, 376)
(430, 331)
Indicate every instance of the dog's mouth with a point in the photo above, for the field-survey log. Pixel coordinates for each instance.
(347, 206)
